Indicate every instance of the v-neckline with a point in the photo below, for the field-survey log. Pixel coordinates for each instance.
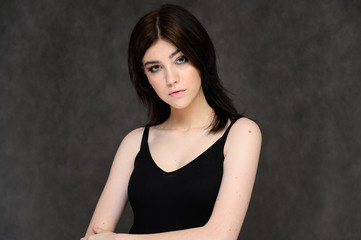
(187, 164)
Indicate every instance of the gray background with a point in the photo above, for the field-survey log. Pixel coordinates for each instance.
(66, 103)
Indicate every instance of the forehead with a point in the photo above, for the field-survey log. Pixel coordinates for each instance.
(159, 50)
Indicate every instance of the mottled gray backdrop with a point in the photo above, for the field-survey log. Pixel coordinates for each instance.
(66, 102)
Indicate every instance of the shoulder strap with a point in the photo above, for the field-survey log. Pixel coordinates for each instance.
(227, 130)
(145, 136)
(230, 125)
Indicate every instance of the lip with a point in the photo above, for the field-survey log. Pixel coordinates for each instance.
(177, 93)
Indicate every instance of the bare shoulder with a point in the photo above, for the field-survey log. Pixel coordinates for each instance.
(133, 137)
(244, 134)
(130, 144)
(246, 125)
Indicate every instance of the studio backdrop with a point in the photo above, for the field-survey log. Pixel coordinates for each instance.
(66, 102)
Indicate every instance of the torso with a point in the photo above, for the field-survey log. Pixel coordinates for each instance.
(179, 193)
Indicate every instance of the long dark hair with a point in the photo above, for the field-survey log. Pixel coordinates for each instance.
(181, 28)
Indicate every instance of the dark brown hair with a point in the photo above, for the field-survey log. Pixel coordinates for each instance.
(178, 26)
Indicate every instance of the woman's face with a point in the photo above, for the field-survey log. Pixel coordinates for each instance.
(175, 80)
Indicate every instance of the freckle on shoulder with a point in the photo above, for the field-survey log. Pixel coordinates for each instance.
(247, 125)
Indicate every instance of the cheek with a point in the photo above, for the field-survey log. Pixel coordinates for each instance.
(152, 82)
(155, 85)
(194, 76)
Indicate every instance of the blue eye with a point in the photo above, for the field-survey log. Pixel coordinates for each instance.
(154, 68)
(182, 59)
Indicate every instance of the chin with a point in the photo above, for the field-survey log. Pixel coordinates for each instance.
(179, 105)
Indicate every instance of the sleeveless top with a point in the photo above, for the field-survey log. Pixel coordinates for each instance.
(184, 198)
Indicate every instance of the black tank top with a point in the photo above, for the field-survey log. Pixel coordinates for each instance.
(184, 198)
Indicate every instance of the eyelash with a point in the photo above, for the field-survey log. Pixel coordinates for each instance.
(151, 69)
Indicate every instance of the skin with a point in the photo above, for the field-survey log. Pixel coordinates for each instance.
(184, 137)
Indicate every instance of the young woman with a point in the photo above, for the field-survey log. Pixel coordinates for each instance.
(189, 173)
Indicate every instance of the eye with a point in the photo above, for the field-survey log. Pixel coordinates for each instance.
(154, 68)
(182, 59)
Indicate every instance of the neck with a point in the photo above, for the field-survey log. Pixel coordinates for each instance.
(195, 116)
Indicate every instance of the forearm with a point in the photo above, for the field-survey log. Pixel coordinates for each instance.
(200, 233)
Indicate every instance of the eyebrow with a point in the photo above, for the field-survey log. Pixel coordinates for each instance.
(170, 56)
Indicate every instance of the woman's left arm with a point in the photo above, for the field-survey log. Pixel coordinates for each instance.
(241, 152)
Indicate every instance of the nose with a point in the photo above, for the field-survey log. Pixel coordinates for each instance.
(171, 76)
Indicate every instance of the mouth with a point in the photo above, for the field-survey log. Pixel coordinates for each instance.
(177, 93)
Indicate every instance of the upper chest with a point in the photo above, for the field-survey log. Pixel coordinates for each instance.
(172, 150)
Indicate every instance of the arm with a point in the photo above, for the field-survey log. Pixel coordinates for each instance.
(242, 151)
(114, 197)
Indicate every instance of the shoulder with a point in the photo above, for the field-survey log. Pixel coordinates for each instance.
(130, 144)
(133, 138)
(245, 125)
(134, 135)
(244, 133)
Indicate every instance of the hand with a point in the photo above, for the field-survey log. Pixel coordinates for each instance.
(101, 234)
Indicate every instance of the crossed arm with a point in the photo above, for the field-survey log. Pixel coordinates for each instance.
(241, 152)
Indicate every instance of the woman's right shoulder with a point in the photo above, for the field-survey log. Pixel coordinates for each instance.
(132, 140)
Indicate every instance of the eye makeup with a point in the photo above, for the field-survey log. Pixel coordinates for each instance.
(155, 68)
